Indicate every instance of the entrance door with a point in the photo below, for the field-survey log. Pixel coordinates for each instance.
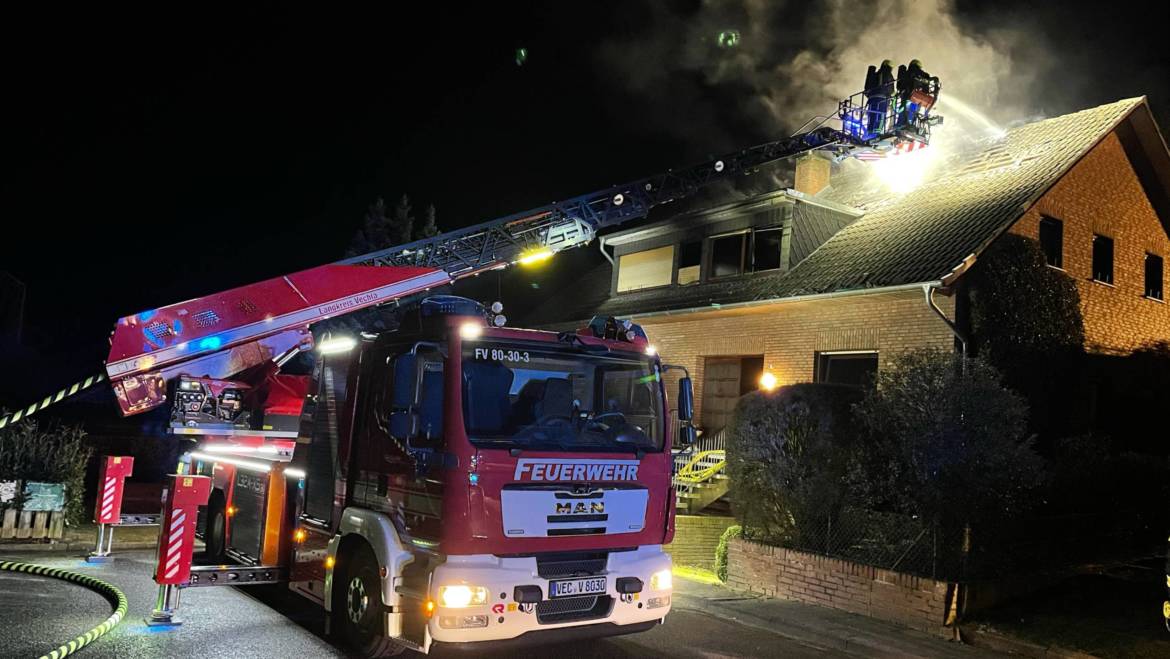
(725, 379)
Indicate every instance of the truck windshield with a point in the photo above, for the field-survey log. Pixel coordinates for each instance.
(536, 397)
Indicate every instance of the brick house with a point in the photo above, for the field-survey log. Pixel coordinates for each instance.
(827, 281)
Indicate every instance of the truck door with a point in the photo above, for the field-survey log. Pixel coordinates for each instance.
(322, 450)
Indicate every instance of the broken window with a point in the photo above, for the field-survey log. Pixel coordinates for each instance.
(1103, 259)
(766, 249)
(727, 255)
(690, 259)
(1154, 276)
(653, 267)
(1052, 241)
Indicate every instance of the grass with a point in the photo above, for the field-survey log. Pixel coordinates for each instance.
(1118, 614)
(696, 574)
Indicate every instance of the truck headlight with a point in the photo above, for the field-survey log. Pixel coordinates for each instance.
(662, 580)
(461, 596)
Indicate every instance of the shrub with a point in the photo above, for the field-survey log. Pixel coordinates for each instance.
(50, 453)
(1026, 321)
(944, 441)
(734, 531)
(787, 457)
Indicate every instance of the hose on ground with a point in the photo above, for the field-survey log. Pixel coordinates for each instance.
(111, 593)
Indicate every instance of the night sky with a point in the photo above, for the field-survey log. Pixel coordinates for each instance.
(150, 158)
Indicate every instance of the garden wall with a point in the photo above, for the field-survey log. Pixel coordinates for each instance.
(695, 539)
(915, 602)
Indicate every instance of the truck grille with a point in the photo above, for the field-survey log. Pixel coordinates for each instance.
(573, 609)
(571, 565)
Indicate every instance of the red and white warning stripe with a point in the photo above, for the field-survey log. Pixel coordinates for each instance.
(174, 544)
(108, 493)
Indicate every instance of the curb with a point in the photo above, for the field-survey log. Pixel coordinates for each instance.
(1011, 645)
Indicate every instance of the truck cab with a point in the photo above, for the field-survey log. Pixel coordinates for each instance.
(470, 484)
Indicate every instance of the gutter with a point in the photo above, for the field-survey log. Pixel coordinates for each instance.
(823, 203)
(796, 298)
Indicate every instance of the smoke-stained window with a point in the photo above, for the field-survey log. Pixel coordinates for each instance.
(727, 254)
(1052, 241)
(766, 249)
(653, 267)
(1154, 276)
(690, 260)
(1103, 259)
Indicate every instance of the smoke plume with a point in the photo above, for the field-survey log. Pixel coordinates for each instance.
(791, 62)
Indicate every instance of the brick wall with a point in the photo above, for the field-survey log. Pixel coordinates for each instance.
(778, 572)
(695, 539)
(788, 334)
(1102, 195)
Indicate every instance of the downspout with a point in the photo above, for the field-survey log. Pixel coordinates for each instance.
(928, 291)
(601, 246)
(957, 603)
(946, 285)
(960, 592)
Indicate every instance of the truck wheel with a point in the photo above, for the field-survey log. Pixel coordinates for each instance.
(357, 605)
(215, 535)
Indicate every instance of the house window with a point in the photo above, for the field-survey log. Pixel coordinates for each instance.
(727, 255)
(1052, 241)
(851, 368)
(1154, 276)
(690, 259)
(766, 249)
(1103, 259)
(653, 267)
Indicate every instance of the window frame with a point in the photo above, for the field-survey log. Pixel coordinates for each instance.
(779, 231)
(679, 260)
(1161, 279)
(1112, 260)
(822, 357)
(673, 247)
(1047, 220)
(744, 237)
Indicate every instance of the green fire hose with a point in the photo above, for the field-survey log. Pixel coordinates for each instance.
(111, 593)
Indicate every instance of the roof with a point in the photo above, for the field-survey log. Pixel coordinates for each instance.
(922, 236)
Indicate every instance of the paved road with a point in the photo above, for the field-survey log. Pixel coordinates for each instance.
(267, 622)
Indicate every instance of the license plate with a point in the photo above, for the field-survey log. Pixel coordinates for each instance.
(576, 587)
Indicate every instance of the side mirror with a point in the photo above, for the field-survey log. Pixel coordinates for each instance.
(686, 399)
(686, 435)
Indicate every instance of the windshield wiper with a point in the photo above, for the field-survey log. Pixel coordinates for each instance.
(572, 338)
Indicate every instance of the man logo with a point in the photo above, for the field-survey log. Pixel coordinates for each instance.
(594, 507)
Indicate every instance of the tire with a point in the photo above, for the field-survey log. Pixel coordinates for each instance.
(215, 532)
(357, 606)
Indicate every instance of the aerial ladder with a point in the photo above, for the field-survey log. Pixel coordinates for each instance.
(236, 340)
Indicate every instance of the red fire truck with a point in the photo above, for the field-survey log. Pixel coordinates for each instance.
(454, 481)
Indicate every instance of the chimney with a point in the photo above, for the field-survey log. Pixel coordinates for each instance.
(812, 174)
